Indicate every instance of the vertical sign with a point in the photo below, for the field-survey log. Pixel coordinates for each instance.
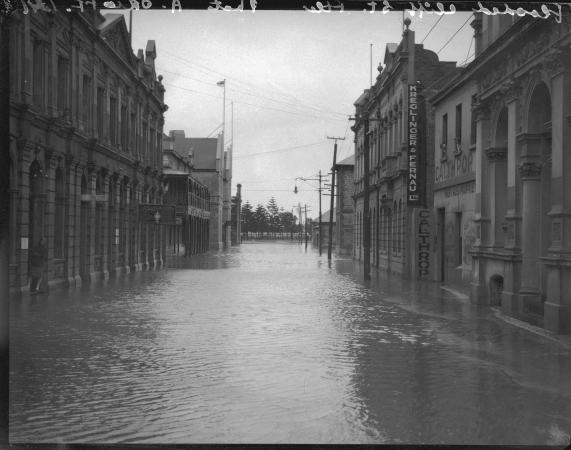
(423, 249)
(413, 193)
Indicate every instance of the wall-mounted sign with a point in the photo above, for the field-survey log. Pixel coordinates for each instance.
(157, 214)
(423, 248)
(413, 178)
(458, 167)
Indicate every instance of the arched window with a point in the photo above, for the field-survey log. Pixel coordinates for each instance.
(59, 231)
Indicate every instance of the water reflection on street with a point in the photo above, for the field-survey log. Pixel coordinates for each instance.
(267, 343)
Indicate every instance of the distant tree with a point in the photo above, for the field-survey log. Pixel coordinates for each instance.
(247, 218)
(260, 220)
(273, 215)
(288, 222)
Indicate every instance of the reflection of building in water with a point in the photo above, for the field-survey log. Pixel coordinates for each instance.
(454, 180)
(86, 119)
(399, 141)
(522, 252)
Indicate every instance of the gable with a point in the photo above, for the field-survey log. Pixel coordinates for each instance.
(114, 32)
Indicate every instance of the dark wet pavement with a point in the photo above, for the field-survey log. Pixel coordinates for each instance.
(268, 344)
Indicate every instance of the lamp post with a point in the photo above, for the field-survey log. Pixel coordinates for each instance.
(295, 192)
(332, 196)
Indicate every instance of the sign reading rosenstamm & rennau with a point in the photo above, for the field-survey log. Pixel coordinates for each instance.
(413, 194)
(158, 214)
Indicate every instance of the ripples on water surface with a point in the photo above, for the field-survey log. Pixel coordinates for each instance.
(268, 344)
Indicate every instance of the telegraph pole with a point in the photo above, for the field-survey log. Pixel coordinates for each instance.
(305, 226)
(332, 195)
(319, 234)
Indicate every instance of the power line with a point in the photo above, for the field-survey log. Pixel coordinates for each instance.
(468, 55)
(278, 150)
(452, 37)
(251, 104)
(254, 88)
(257, 95)
(433, 26)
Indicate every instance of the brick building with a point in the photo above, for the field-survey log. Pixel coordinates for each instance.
(211, 168)
(86, 118)
(189, 235)
(394, 125)
(345, 206)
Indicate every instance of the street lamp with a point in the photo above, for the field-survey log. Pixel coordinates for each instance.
(295, 190)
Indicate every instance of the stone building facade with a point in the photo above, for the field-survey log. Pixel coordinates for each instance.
(454, 182)
(522, 253)
(344, 208)
(190, 234)
(86, 119)
(400, 165)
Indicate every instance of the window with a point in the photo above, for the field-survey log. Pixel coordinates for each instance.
(62, 83)
(133, 125)
(458, 133)
(38, 87)
(100, 112)
(145, 149)
(124, 128)
(113, 120)
(444, 138)
(473, 123)
(59, 215)
(86, 106)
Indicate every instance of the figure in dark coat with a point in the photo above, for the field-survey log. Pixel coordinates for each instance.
(38, 259)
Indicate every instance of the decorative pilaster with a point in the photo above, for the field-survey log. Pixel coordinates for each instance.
(530, 172)
(481, 216)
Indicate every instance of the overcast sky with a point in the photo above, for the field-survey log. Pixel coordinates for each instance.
(293, 77)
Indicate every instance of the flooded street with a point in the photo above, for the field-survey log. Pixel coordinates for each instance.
(268, 344)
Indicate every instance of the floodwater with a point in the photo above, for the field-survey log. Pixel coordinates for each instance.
(267, 343)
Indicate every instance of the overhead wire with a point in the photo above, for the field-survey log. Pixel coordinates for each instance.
(257, 95)
(254, 105)
(278, 150)
(433, 26)
(255, 89)
(452, 37)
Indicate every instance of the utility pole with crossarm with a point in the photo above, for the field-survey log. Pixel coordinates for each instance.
(332, 195)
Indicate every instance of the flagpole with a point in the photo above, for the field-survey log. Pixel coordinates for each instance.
(224, 115)
(231, 141)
